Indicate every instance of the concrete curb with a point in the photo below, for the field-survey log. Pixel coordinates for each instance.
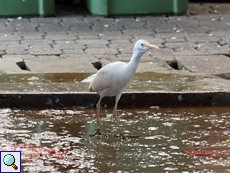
(128, 100)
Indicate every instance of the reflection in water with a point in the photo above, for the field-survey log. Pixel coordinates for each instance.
(165, 134)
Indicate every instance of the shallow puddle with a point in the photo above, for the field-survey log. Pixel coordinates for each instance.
(71, 82)
(164, 135)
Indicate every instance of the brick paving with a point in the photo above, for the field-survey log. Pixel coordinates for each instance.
(204, 30)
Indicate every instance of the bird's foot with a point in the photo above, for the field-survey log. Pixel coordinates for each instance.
(128, 138)
(121, 136)
(97, 133)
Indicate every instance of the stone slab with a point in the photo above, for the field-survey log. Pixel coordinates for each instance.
(213, 64)
(78, 65)
(9, 65)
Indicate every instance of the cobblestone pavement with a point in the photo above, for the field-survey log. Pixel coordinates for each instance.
(77, 34)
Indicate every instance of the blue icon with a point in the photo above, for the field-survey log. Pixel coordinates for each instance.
(9, 160)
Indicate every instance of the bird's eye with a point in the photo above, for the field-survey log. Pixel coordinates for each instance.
(142, 44)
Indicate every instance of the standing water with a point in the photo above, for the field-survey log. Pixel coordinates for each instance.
(165, 134)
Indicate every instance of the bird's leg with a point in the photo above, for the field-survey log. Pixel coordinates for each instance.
(98, 115)
(115, 115)
(98, 112)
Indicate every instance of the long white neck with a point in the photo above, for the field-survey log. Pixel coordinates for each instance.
(134, 61)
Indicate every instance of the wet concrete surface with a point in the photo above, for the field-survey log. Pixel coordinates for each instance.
(164, 135)
(147, 89)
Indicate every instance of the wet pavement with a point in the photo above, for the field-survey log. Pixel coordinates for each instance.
(164, 135)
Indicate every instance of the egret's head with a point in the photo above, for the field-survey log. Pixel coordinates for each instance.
(143, 46)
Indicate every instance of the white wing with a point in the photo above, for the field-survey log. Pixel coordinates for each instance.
(112, 79)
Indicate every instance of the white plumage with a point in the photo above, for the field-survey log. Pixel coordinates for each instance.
(111, 79)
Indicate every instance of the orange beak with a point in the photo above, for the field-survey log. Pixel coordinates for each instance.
(151, 46)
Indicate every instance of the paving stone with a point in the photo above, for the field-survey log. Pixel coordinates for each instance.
(56, 35)
(16, 50)
(150, 39)
(147, 57)
(215, 26)
(124, 57)
(125, 50)
(73, 19)
(170, 35)
(68, 45)
(194, 29)
(217, 50)
(9, 65)
(91, 19)
(85, 27)
(22, 57)
(213, 48)
(34, 42)
(72, 51)
(188, 51)
(44, 50)
(48, 57)
(108, 58)
(121, 41)
(9, 37)
(49, 20)
(174, 40)
(135, 32)
(9, 42)
(81, 65)
(95, 46)
(106, 26)
(92, 41)
(222, 34)
(30, 35)
(151, 25)
(102, 51)
(165, 29)
(76, 56)
(86, 35)
(203, 39)
(52, 27)
(213, 64)
(150, 19)
(180, 45)
(115, 35)
(162, 52)
(152, 66)
(121, 46)
(26, 27)
(198, 34)
(132, 25)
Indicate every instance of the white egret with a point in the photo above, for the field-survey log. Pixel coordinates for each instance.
(111, 79)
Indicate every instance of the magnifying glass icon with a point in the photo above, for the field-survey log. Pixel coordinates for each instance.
(9, 160)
